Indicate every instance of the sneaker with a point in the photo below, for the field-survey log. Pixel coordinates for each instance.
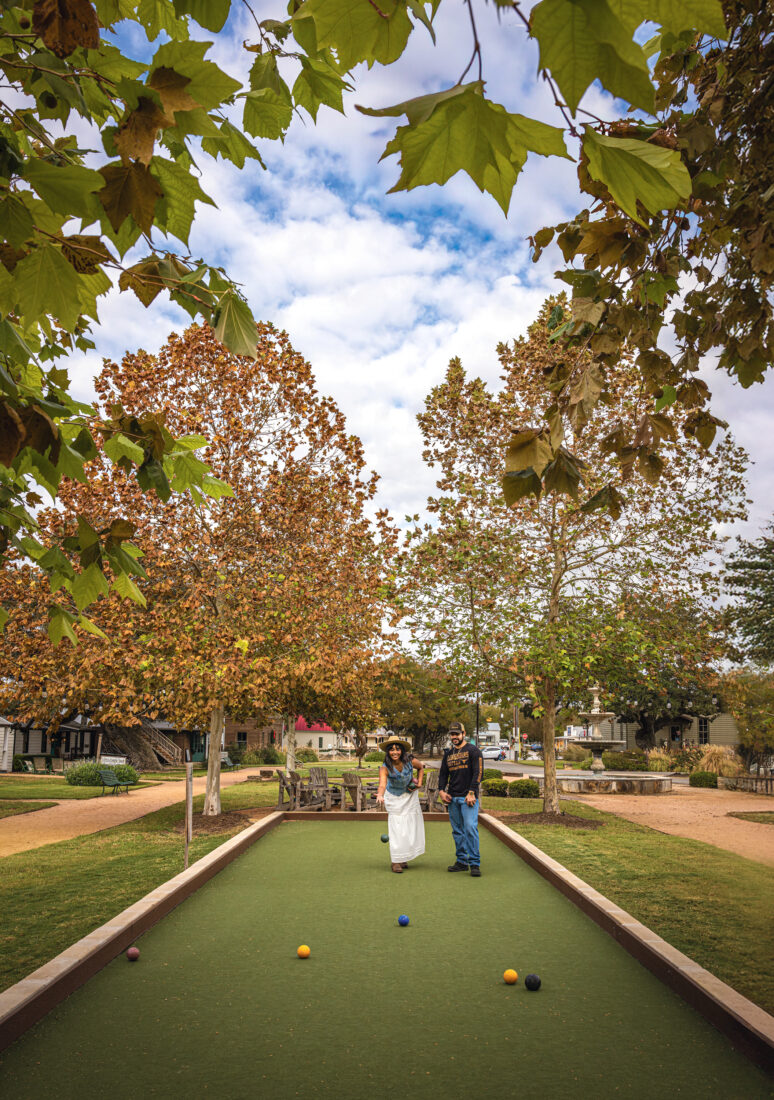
(458, 867)
(475, 872)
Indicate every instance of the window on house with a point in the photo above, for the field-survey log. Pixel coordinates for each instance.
(704, 731)
(319, 742)
(242, 739)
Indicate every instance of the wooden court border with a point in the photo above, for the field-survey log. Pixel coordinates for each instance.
(749, 1027)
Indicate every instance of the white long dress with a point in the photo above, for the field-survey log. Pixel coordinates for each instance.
(406, 826)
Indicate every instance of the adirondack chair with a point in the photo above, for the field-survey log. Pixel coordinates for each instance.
(361, 798)
(319, 782)
(57, 765)
(429, 801)
(309, 796)
(39, 763)
(289, 789)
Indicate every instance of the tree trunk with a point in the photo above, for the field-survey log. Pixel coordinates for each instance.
(550, 789)
(290, 761)
(212, 796)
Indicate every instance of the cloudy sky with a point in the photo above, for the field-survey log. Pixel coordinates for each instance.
(379, 291)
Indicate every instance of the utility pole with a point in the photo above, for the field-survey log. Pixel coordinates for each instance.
(476, 719)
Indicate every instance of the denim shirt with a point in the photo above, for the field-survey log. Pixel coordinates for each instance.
(398, 781)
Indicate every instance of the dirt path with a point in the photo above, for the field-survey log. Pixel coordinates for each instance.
(700, 814)
(71, 818)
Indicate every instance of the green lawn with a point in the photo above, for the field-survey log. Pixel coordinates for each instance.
(714, 906)
(35, 787)
(174, 774)
(764, 817)
(11, 809)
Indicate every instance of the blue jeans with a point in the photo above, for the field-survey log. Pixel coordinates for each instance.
(464, 823)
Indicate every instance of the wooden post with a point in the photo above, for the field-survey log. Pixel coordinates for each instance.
(188, 804)
(99, 746)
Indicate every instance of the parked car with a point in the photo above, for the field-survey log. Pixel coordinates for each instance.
(493, 752)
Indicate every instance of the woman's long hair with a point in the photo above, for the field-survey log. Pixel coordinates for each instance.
(390, 763)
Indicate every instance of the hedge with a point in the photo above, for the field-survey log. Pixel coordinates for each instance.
(703, 779)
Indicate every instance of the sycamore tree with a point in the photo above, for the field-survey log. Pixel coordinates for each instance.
(243, 596)
(678, 193)
(535, 589)
(750, 579)
(749, 694)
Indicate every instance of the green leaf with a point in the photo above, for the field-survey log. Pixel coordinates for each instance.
(584, 40)
(120, 447)
(175, 210)
(668, 395)
(318, 84)
(4, 617)
(635, 171)
(125, 586)
(266, 114)
(210, 14)
(528, 450)
(522, 483)
(67, 190)
(234, 325)
(16, 223)
(358, 31)
(151, 476)
(209, 85)
(215, 488)
(188, 470)
(91, 628)
(704, 16)
(46, 283)
(231, 144)
(60, 626)
(563, 475)
(88, 586)
(608, 498)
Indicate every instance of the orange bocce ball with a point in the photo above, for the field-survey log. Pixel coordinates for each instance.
(304, 952)
(510, 977)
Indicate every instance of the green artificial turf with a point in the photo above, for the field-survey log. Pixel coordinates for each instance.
(711, 904)
(53, 895)
(11, 809)
(220, 1005)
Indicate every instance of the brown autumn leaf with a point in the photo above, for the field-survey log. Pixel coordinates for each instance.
(144, 279)
(130, 191)
(42, 433)
(171, 87)
(12, 433)
(136, 136)
(85, 253)
(64, 25)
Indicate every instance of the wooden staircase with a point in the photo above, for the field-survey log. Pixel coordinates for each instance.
(164, 747)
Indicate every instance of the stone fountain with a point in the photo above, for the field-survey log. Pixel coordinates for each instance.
(596, 742)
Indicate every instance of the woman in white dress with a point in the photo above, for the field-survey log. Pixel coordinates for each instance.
(399, 794)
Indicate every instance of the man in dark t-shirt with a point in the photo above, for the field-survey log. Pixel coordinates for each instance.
(458, 782)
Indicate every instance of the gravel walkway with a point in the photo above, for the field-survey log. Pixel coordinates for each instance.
(700, 814)
(71, 818)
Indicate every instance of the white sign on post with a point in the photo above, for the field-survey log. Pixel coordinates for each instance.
(112, 761)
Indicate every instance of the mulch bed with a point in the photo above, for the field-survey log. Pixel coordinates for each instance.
(568, 821)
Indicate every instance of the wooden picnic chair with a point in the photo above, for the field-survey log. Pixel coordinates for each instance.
(362, 799)
(39, 765)
(309, 797)
(429, 800)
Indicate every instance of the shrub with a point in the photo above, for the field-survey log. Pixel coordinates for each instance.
(126, 773)
(236, 752)
(18, 763)
(660, 761)
(524, 788)
(84, 775)
(686, 760)
(720, 760)
(625, 761)
(575, 753)
(307, 756)
(266, 754)
(375, 757)
(497, 788)
(492, 773)
(703, 779)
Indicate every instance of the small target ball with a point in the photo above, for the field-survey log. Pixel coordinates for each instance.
(510, 977)
(532, 982)
(385, 838)
(304, 952)
(403, 920)
(132, 954)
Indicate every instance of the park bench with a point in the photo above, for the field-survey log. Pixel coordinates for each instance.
(226, 762)
(111, 780)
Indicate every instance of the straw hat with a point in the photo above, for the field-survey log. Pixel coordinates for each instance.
(393, 739)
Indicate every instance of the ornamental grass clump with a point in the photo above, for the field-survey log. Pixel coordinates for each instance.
(720, 760)
(660, 761)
